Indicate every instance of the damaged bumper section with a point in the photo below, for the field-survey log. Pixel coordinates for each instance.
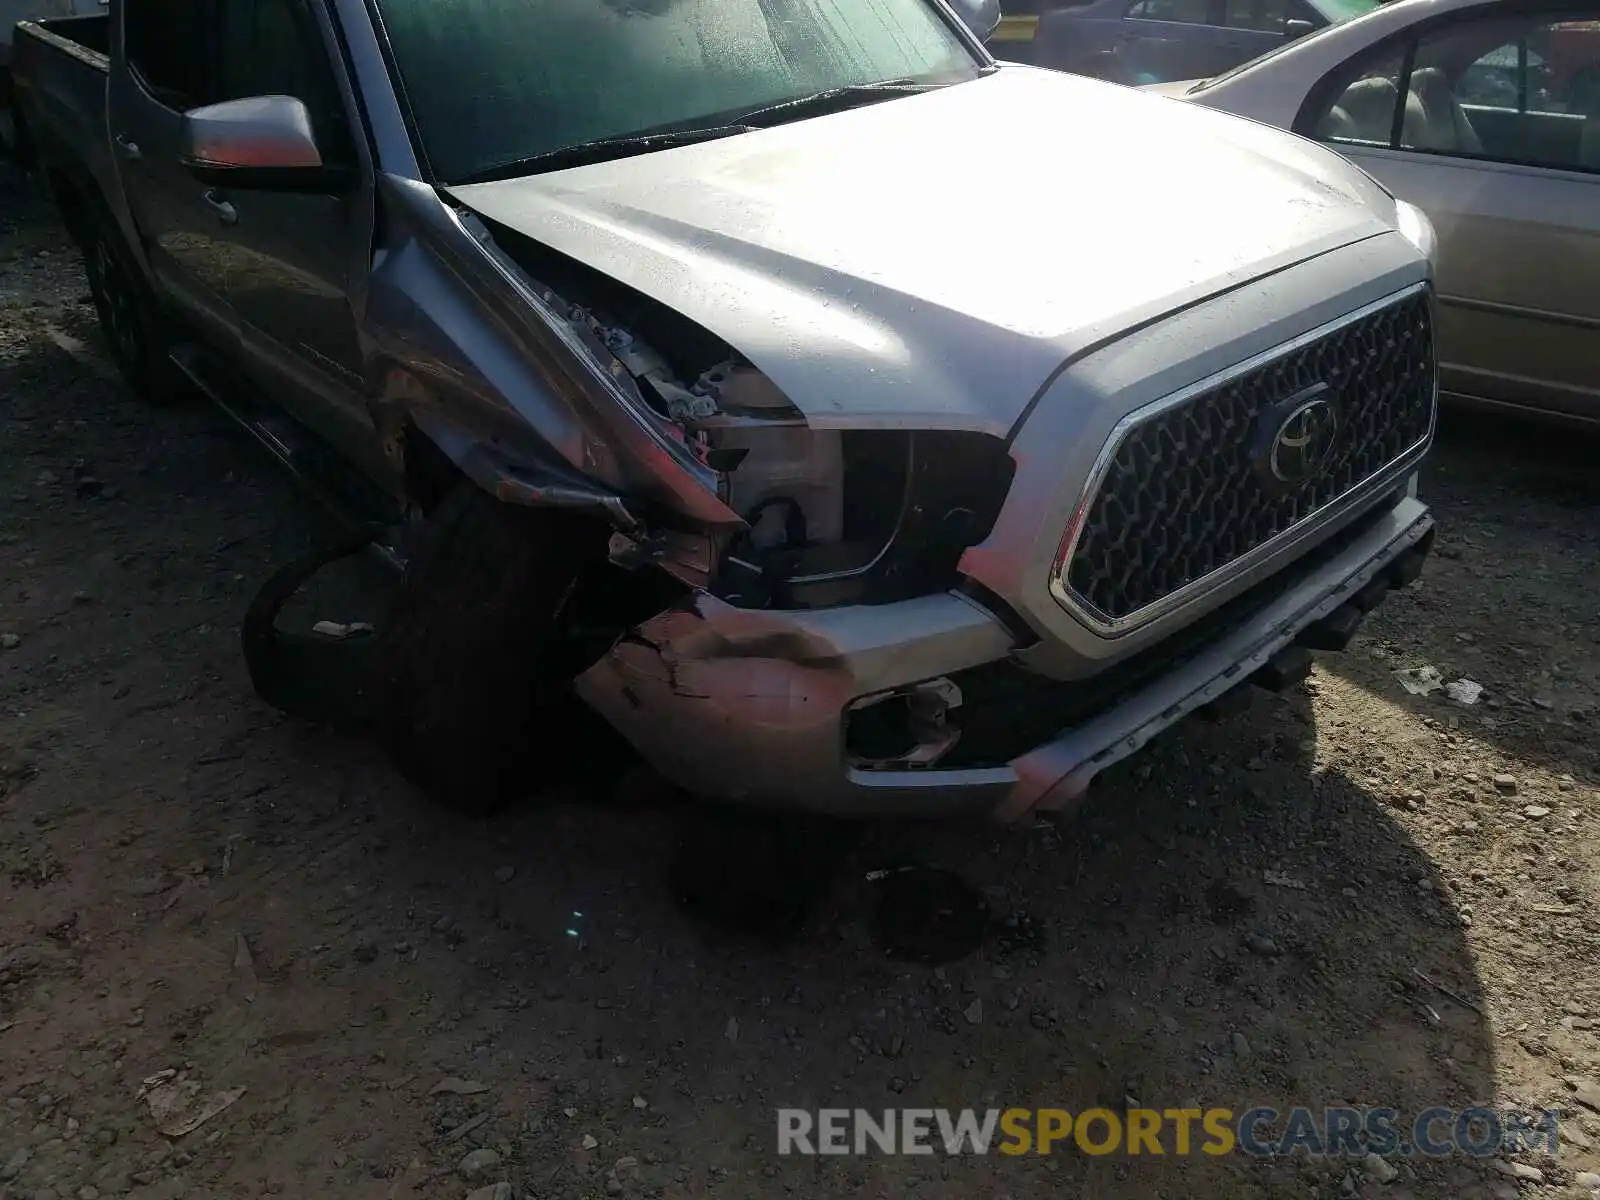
(918, 708)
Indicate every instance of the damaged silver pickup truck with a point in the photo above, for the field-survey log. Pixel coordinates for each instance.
(672, 330)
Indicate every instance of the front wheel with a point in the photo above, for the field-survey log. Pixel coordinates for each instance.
(473, 693)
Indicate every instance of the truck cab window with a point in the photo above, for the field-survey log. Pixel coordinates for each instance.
(274, 48)
(159, 39)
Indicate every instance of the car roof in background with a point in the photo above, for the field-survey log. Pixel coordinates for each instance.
(1374, 26)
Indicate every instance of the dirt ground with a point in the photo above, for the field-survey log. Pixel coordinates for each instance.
(192, 883)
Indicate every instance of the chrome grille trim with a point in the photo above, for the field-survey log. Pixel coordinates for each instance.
(1167, 606)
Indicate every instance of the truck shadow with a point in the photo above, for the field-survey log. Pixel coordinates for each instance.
(1226, 923)
(1505, 602)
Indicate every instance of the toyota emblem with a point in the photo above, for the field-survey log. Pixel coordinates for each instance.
(1303, 433)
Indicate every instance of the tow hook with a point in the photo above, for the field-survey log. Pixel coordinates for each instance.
(1287, 668)
(1335, 631)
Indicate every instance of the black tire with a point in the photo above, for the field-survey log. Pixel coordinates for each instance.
(136, 332)
(308, 675)
(473, 697)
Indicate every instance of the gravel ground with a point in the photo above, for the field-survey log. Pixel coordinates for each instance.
(191, 883)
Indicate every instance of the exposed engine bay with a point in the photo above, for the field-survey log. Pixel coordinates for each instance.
(834, 516)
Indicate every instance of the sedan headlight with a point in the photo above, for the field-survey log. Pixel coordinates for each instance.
(1415, 227)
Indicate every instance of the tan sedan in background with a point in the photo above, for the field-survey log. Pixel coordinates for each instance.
(1486, 115)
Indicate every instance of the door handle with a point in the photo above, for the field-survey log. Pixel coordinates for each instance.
(226, 213)
(128, 148)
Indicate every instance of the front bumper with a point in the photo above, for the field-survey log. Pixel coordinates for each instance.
(752, 706)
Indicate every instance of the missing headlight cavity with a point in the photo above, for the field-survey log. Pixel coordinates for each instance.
(835, 516)
(909, 504)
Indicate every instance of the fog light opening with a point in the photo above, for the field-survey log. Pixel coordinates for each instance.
(902, 729)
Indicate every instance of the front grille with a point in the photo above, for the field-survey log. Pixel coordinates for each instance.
(1183, 495)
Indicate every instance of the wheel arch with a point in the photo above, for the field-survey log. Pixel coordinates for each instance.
(431, 447)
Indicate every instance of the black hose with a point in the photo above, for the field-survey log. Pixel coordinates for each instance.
(310, 675)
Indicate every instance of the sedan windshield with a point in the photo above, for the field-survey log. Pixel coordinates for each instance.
(1343, 10)
(1336, 11)
(497, 82)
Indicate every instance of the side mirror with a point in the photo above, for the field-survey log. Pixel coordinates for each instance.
(1293, 29)
(260, 142)
(980, 16)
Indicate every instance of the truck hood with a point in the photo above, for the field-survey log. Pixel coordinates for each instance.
(931, 261)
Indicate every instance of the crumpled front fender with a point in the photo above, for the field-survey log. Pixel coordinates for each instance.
(470, 350)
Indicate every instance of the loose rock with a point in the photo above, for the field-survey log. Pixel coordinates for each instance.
(13, 1165)
(1260, 943)
(1586, 1092)
(1536, 812)
(505, 874)
(623, 1173)
(974, 1012)
(1506, 784)
(1375, 1166)
(1241, 1045)
(244, 968)
(1587, 1179)
(478, 1163)
(495, 1191)
(451, 1086)
(9, 641)
(1513, 1170)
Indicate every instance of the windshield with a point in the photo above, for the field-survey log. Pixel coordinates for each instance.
(492, 82)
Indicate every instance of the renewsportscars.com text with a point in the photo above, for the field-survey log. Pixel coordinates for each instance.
(1259, 1132)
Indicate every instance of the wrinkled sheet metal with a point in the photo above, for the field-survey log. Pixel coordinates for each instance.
(765, 694)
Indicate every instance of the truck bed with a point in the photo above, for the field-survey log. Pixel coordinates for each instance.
(59, 73)
(87, 38)
(79, 32)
